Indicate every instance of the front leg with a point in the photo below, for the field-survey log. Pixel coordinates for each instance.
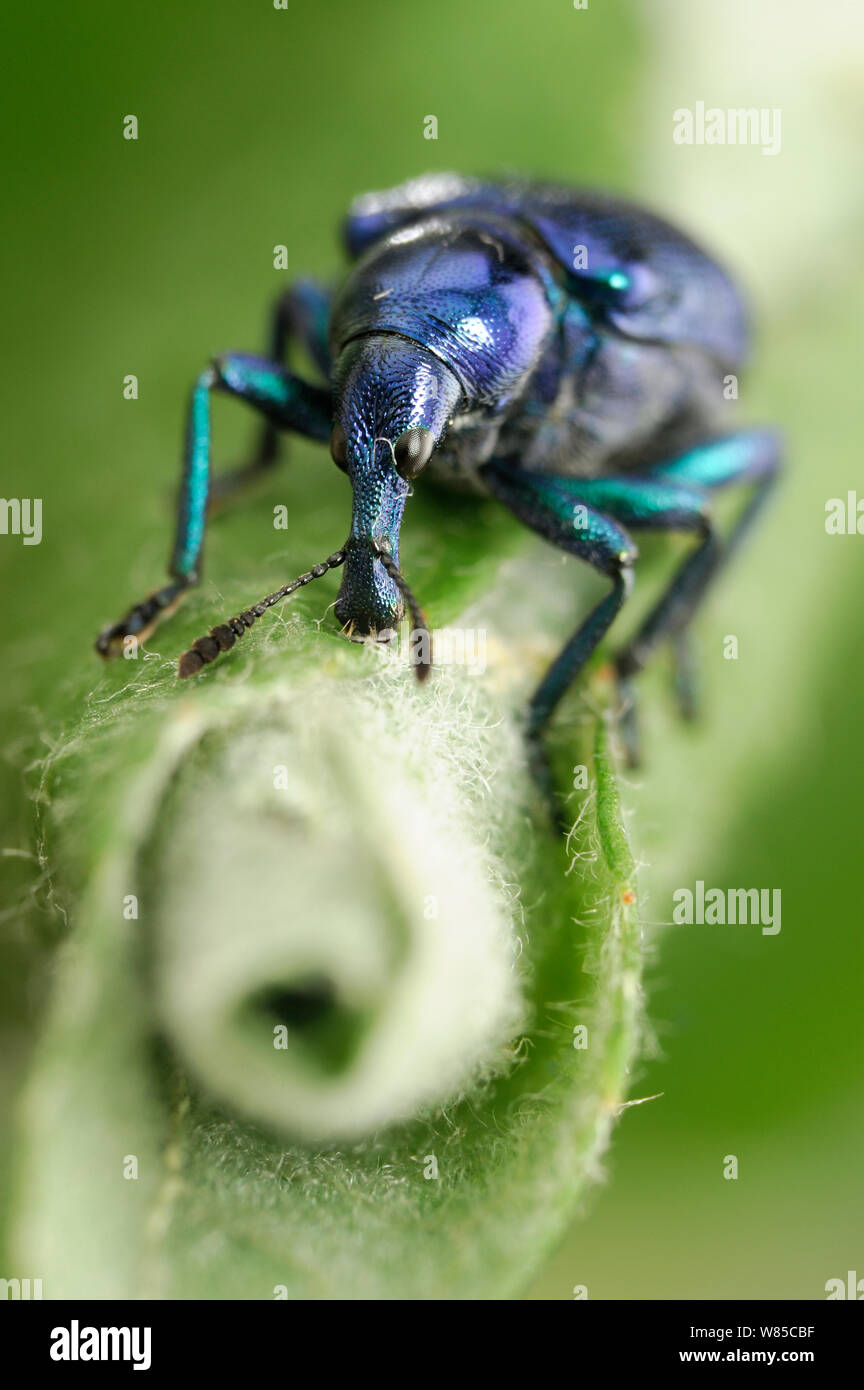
(286, 402)
(567, 512)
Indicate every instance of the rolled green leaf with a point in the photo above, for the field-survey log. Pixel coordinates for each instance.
(339, 1015)
(333, 947)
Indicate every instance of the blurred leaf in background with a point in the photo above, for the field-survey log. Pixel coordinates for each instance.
(760, 1043)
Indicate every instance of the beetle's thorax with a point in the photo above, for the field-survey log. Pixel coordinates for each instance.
(436, 323)
(466, 289)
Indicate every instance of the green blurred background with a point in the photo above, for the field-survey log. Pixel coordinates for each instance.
(256, 127)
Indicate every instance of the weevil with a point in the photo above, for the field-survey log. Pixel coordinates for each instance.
(566, 352)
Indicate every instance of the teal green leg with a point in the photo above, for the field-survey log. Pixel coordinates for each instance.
(286, 402)
(565, 511)
(751, 456)
(587, 517)
(301, 315)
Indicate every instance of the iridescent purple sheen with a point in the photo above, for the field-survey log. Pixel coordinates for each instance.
(571, 331)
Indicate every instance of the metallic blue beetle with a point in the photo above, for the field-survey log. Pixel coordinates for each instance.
(564, 351)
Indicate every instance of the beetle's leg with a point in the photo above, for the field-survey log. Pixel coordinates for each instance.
(750, 456)
(300, 315)
(655, 503)
(283, 399)
(563, 511)
(685, 675)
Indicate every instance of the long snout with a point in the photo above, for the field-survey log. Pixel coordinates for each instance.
(369, 603)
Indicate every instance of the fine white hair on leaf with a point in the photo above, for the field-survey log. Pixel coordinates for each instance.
(362, 868)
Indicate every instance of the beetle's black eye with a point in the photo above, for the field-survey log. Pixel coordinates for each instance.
(412, 451)
(339, 448)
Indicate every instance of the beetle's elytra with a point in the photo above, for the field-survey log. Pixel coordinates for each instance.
(564, 351)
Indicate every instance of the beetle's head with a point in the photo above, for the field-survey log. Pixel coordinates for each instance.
(393, 401)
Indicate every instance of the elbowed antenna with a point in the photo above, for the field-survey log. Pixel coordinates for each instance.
(423, 665)
(222, 637)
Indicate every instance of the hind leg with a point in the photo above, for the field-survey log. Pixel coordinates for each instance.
(751, 456)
